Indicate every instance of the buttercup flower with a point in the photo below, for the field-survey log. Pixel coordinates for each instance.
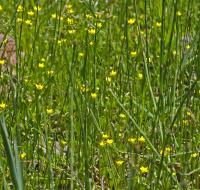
(158, 24)
(91, 31)
(81, 54)
(102, 144)
(194, 155)
(105, 136)
(131, 21)
(94, 95)
(2, 61)
(141, 139)
(37, 8)
(140, 76)
(178, 13)
(31, 13)
(131, 140)
(122, 115)
(133, 53)
(39, 86)
(23, 155)
(144, 170)
(113, 73)
(20, 8)
(2, 106)
(119, 162)
(109, 141)
(50, 111)
(91, 43)
(166, 152)
(53, 16)
(28, 22)
(99, 25)
(41, 65)
(1, 8)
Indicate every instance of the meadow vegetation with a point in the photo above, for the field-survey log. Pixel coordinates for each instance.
(100, 94)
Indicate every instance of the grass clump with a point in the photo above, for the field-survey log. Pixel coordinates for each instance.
(103, 95)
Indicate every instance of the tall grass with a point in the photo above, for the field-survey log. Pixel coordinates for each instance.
(104, 95)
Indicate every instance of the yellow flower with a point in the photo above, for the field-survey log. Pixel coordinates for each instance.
(194, 155)
(119, 162)
(174, 52)
(71, 31)
(2, 61)
(37, 8)
(109, 141)
(50, 72)
(39, 86)
(88, 16)
(81, 54)
(50, 111)
(28, 22)
(62, 142)
(141, 139)
(19, 20)
(174, 173)
(102, 144)
(133, 53)
(2, 106)
(185, 122)
(99, 25)
(61, 17)
(94, 95)
(105, 136)
(166, 152)
(41, 65)
(53, 16)
(113, 73)
(97, 15)
(188, 113)
(84, 88)
(23, 155)
(158, 24)
(92, 31)
(144, 170)
(31, 13)
(108, 79)
(5, 41)
(91, 43)
(122, 115)
(178, 13)
(20, 8)
(1, 8)
(140, 76)
(70, 11)
(59, 42)
(168, 149)
(131, 140)
(131, 21)
(70, 21)
(69, 6)
(188, 46)
(64, 40)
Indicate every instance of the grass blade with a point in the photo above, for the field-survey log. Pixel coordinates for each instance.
(13, 162)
